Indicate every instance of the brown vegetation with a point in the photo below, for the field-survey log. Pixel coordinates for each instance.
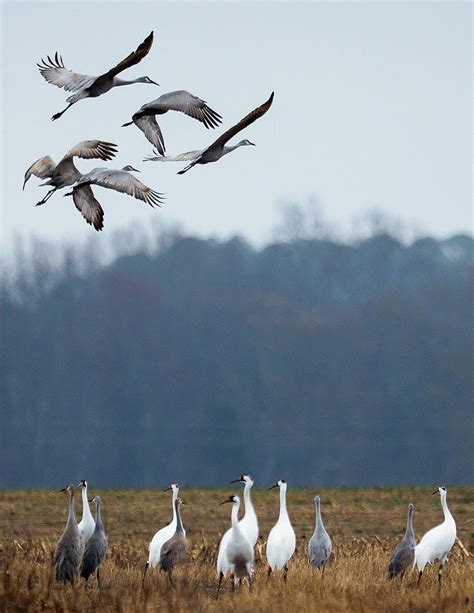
(365, 526)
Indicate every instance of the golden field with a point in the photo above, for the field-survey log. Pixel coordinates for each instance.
(365, 525)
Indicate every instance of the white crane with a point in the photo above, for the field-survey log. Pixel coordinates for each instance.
(164, 534)
(85, 86)
(181, 101)
(65, 173)
(248, 525)
(87, 524)
(119, 180)
(70, 548)
(437, 542)
(239, 551)
(281, 540)
(320, 545)
(218, 148)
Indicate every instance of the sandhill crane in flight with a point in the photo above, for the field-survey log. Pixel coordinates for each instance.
(119, 180)
(218, 148)
(181, 101)
(85, 86)
(65, 173)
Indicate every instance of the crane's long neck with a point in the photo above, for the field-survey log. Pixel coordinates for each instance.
(446, 511)
(71, 517)
(230, 148)
(119, 82)
(249, 510)
(283, 511)
(179, 523)
(173, 503)
(86, 512)
(98, 520)
(409, 530)
(234, 517)
(319, 519)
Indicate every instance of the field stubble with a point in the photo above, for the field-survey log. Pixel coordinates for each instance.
(365, 526)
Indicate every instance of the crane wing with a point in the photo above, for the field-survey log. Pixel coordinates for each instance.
(89, 149)
(134, 58)
(184, 102)
(54, 71)
(42, 168)
(181, 157)
(89, 207)
(150, 128)
(123, 181)
(243, 123)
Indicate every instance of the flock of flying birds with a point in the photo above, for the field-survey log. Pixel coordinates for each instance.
(65, 174)
(82, 547)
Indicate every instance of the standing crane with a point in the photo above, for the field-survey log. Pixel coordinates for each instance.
(70, 548)
(320, 545)
(174, 549)
(87, 524)
(84, 86)
(404, 553)
(95, 548)
(281, 540)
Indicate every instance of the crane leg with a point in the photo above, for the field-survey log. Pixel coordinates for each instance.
(285, 573)
(58, 115)
(221, 576)
(269, 572)
(144, 573)
(98, 578)
(419, 577)
(47, 197)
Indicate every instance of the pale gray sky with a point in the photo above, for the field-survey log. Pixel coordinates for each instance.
(372, 108)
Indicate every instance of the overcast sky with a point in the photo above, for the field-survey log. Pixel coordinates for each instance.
(372, 108)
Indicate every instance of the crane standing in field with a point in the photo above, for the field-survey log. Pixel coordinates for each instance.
(248, 525)
(320, 545)
(65, 173)
(281, 540)
(174, 550)
(86, 86)
(95, 548)
(239, 551)
(437, 542)
(70, 548)
(87, 524)
(404, 553)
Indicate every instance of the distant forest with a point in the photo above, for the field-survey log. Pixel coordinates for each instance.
(323, 362)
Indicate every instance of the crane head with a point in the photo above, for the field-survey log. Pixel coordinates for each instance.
(231, 499)
(441, 489)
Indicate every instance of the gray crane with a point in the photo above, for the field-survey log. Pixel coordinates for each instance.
(404, 554)
(70, 548)
(218, 148)
(96, 547)
(181, 101)
(85, 86)
(118, 180)
(175, 548)
(320, 545)
(65, 173)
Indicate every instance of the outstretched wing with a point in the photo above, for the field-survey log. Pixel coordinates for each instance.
(243, 123)
(42, 168)
(54, 71)
(150, 128)
(125, 182)
(184, 102)
(89, 149)
(181, 157)
(89, 207)
(136, 56)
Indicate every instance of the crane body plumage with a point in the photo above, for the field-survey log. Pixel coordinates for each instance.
(175, 548)
(95, 548)
(70, 548)
(281, 540)
(87, 524)
(404, 553)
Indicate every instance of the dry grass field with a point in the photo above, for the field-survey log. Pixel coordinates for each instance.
(364, 524)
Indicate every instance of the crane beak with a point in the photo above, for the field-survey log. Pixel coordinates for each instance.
(253, 144)
(224, 502)
(91, 500)
(435, 492)
(236, 480)
(129, 123)
(167, 489)
(154, 82)
(272, 486)
(64, 489)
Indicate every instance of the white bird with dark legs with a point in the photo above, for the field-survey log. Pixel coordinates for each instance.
(70, 548)
(85, 86)
(281, 540)
(181, 101)
(118, 180)
(437, 542)
(96, 547)
(87, 524)
(320, 545)
(218, 148)
(239, 551)
(404, 553)
(65, 173)
(164, 534)
(175, 548)
(248, 525)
